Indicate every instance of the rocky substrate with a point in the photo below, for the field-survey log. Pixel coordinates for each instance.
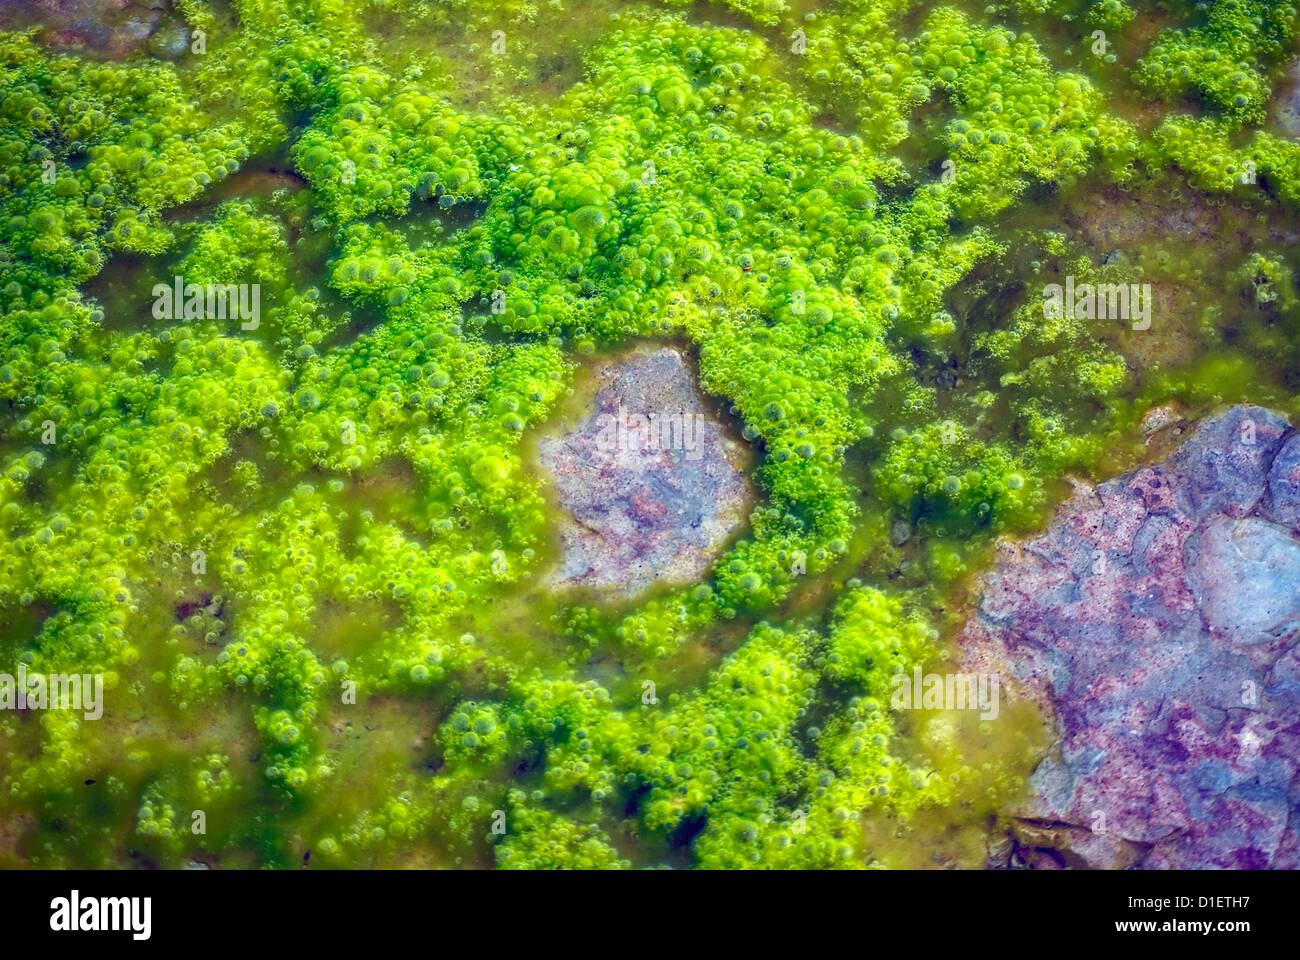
(650, 482)
(1155, 625)
(1286, 102)
(112, 29)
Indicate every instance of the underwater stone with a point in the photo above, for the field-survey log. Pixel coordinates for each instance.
(1226, 460)
(137, 29)
(1155, 625)
(1245, 573)
(170, 41)
(111, 28)
(1286, 105)
(900, 531)
(1283, 504)
(644, 505)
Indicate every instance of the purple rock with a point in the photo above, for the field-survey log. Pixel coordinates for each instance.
(1225, 462)
(1155, 624)
(112, 29)
(1283, 504)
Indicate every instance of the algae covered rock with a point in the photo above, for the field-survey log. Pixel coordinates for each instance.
(1155, 624)
(649, 481)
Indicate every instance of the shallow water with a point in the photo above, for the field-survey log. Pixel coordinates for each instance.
(412, 560)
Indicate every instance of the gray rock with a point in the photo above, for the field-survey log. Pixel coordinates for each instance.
(650, 482)
(138, 28)
(170, 41)
(1246, 573)
(96, 34)
(900, 531)
(1286, 103)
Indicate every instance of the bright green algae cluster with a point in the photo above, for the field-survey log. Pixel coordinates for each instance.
(307, 555)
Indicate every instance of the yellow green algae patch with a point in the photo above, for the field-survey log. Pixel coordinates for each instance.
(987, 764)
(307, 549)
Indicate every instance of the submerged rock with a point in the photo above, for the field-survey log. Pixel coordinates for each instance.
(108, 28)
(1155, 624)
(170, 41)
(650, 483)
(1283, 504)
(1286, 102)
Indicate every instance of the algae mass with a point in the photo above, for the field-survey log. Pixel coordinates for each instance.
(310, 556)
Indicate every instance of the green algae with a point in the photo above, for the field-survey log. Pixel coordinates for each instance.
(367, 668)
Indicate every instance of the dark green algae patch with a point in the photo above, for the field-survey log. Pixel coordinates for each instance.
(367, 668)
